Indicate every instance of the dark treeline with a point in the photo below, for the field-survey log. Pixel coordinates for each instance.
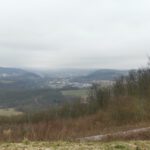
(31, 99)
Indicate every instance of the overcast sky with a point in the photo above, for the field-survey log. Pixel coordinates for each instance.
(74, 33)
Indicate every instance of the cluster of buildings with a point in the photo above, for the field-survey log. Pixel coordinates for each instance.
(65, 82)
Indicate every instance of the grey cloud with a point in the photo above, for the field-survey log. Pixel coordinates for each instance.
(74, 33)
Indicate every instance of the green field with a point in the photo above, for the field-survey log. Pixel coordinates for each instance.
(134, 145)
(9, 112)
(76, 93)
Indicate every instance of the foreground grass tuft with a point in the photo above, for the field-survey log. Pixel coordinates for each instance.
(133, 145)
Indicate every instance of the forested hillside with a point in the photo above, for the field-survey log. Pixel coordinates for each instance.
(30, 99)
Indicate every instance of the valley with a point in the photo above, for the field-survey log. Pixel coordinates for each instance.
(25, 90)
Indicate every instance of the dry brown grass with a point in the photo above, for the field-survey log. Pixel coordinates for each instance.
(70, 129)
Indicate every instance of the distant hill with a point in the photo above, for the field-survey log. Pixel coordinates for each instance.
(106, 74)
(103, 74)
(17, 78)
(15, 73)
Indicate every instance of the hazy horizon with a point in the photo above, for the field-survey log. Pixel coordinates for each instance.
(42, 69)
(57, 34)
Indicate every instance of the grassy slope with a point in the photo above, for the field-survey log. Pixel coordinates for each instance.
(133, 145)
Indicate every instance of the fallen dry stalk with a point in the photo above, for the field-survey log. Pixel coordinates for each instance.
(114, 135)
